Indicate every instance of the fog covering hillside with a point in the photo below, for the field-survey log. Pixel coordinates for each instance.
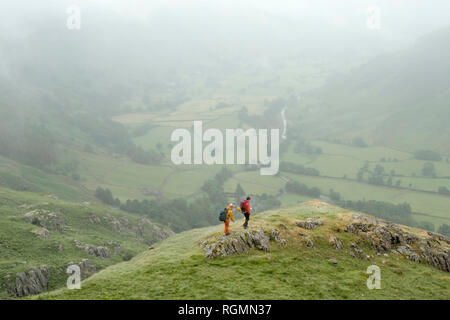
(399, 99)
(86, 117)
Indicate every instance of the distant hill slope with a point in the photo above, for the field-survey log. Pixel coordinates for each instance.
(40, 235)
(282, 256)
(399, 99)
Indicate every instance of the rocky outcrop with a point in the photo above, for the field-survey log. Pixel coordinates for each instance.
(275, 235)
(33, 281)
(310, 224)
(336, 243)
(145, 230)
(309, 243)
(116, 247)
(388, 237)
(87, 268)
(151, 232)
(408, 252)
(235, 243)
(98, 252)
(45, 219)
(41, 233)
(356, 252)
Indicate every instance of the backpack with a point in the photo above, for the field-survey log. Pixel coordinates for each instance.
(243, 207)
(223, 215)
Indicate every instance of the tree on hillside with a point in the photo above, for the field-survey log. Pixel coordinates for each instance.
(335, 196)
(379, 170)
(359, 142)
(426, 225)
(428, 170)
(445, 230)
(106, 197)
(427, 155)
(444, 190)
(360, 175)
(239, 194)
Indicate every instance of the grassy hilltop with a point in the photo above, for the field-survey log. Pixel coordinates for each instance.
(177, 268)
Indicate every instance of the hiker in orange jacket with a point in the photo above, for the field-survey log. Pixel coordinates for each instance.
(229, 216)
(245, 209)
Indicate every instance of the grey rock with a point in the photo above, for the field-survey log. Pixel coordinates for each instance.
(336, 243)
(275, 235)
(333, 261)
(356, 252)
(41, 233)
(236, 243)
(388, 237)
(33, 281)
(309, 243)
(87, 268)
(408, 252)
(45, 219)
(99, 252)
(310, 224)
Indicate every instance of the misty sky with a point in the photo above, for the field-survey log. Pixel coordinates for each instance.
(224, 30)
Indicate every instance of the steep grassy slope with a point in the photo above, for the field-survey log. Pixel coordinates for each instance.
(176, 268)
(398, 99)
(40, 230)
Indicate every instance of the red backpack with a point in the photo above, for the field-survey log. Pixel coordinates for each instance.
(243, 206)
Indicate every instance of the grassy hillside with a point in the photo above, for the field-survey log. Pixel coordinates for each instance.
(398, 99)
(39, 229)
(176, 268)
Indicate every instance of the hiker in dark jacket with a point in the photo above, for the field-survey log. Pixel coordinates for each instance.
(245, 209)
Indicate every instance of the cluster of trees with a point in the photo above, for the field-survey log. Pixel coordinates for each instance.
(111, 134)
(302, 146)
(428, 170)
(299, 169)
(27, 142)
(334, 195)
(214, 187)
(427, 155)
(444, 191)
(142, 129)
(105, 196)
(426, 225)
(259, 202)
(398, 213)
(302, 189)
(178, 214)
(383, 159)
(359, 142)
(444, 229)
(378, 176)
(266, 202)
